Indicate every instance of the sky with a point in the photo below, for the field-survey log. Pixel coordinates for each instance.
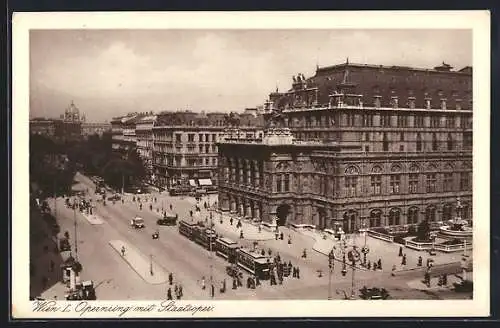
(108, 73)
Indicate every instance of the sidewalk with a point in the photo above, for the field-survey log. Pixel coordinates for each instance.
(140, 263)
(93, 219)
(250, 231)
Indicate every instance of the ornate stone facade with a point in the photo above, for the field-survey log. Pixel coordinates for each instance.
(349, 163)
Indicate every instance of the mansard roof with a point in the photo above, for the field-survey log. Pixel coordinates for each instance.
(385, 82)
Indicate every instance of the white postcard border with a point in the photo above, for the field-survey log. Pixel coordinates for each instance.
(478, 21)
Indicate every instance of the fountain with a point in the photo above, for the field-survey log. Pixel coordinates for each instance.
(457, 228)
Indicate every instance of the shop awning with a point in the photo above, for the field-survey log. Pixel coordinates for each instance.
(205, 182)
(192, 183)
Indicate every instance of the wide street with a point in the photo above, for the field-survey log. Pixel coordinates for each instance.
(189, 262)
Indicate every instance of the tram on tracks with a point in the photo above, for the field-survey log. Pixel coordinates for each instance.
(205, 237)
(247, 260)
(254, 263)
(187, 228)
(227, 249)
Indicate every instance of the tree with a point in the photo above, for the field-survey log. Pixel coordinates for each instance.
(50, 168)
(423, 231)
(120, 172)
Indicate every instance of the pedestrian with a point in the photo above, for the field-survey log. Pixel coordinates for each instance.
(133, 199)
(212, 291)
(150, 207)
(304, 253)
(181, 293)
(419, 263)
(231, 221)
(123, 250)
(369, 265)
(169, 293)
(379, 264)
(298, 273)
(400, 251)
(403, 261)
(263, 252)
(176, 289)
(374, 266)
(427, 279)
(289, 240)
(140, 207)
(171, 207)
(445, 279)
(123, 202)
(276, 235)
(203, 283)
(223, 290)
(170, 278)
(234, 283)
(269, 252)
(191, 213)
(241, 234)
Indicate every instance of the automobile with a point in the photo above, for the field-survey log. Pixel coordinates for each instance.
(167, 220)
(137, 223)
(115, 197)
(64, 245)
(88, 290)
(374, 293)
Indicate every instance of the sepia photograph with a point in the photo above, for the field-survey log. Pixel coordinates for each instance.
(185, 165)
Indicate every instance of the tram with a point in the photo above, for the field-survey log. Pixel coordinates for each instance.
(204, 237)
(254, 263)
(227, 249)
(187, 228)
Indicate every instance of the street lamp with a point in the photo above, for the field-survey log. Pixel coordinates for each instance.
(211, 258)
(331, 265)
(353, 255)
(76, 235)
(151, 264)
(365, 250)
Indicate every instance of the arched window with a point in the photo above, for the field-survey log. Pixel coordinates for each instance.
(447, 208)
(413, 215)
(434, 142)
(375, 218)
(430, 213)
(450, 142)
(394, 216)
(349, 222)
(376, 180)
(465, 212)
(419, 142)
(351, 180)
(385, 142)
